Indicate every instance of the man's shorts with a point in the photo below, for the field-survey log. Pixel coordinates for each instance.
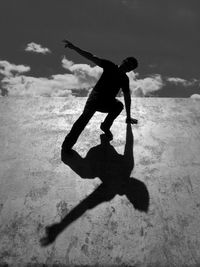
(96, 102)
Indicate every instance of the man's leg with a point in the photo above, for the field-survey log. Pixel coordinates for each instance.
(77, 128)
(113, 110)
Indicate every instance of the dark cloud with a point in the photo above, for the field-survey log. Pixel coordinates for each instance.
(162, 34)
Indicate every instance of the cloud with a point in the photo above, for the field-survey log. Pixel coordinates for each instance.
(67, 63)
(10, 69)
(86, 75)
(79, 77)
(15, 83)
(195, 96)
(177, 81)
(37, 48)
(31, 86)
(146, 86)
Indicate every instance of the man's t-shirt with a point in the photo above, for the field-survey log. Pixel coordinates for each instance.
(110, 82)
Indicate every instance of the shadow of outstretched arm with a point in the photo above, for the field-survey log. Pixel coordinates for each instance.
(100, 195)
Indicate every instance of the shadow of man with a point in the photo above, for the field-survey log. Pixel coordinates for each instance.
(113, 170)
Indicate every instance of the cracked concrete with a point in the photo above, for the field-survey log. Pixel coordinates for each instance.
(37, 189)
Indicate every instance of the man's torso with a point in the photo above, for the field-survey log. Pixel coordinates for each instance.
(110, 82)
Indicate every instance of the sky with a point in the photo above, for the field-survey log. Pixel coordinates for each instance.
(162, 34)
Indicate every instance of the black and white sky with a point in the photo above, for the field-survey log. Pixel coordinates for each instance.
(164, 35)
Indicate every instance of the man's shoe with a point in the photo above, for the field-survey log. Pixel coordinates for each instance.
(107, 132)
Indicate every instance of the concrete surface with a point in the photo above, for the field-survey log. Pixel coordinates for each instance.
(148, 216)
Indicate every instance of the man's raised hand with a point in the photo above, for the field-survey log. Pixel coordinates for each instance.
(68, 44)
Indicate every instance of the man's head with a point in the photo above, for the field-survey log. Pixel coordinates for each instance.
(128, 64)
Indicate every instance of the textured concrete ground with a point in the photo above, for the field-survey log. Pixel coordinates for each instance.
(132, 202)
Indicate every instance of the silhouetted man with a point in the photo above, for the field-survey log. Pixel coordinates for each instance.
(103, 96)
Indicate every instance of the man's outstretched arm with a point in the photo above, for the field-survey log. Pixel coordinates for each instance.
(127, 100)
(88, 55)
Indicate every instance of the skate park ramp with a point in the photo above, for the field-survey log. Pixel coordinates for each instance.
(132, 201)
